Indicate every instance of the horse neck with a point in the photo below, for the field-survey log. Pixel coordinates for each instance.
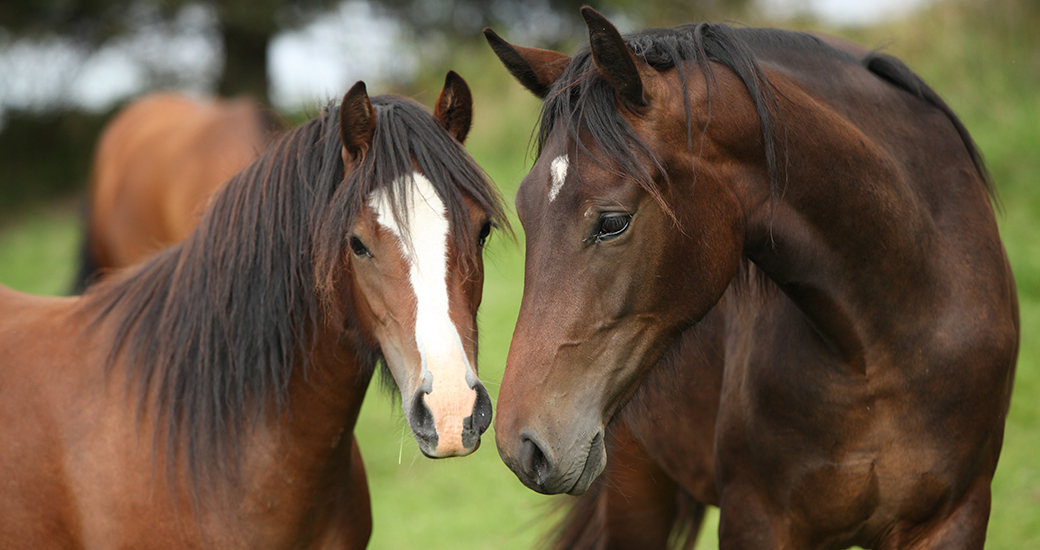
(323, 401)
(305, 458)
(873, 249)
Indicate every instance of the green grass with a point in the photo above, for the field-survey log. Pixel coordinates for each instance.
(39, 248)
(986, 66)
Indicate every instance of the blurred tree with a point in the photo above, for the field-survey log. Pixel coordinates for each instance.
(550, 20)
(246, 27)
(45, 154)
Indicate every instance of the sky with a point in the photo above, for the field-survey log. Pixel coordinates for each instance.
(308, 66)
(844, 12)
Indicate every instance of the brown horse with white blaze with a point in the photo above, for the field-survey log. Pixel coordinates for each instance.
(236, 361)
(872, 330)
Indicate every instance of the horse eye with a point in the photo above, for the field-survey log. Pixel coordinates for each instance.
(611, 226)
(359, 247)
(485, 230)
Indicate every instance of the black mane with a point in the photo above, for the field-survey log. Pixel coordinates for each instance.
(894, 72)
(214, 328)
(583, 99)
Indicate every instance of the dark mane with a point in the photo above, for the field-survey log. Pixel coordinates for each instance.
(583, 99)
(214, 328)
(895, 72)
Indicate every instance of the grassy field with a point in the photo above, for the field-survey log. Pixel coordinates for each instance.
(987, 66)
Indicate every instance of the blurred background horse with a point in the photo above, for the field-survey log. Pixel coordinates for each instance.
(155, 167)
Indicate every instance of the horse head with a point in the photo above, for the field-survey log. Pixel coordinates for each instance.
(416, 269)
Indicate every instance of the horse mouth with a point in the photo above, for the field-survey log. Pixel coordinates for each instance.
(595, 461)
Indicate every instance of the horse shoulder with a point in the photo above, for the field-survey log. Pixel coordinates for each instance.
(39, 391)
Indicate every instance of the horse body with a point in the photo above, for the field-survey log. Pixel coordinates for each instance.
(891, 334)
(206, 397)
(156, 166)
(93, 478)
(871, 336)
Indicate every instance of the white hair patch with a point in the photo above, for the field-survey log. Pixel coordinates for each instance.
(558, 169)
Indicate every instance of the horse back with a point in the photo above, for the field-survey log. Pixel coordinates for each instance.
(157, 164)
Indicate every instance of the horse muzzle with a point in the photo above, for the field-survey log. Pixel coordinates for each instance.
(541, 469)
(449, 432)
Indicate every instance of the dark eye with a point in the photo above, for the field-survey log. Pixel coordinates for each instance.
(485, 230)
(611, 226)
(359, 247)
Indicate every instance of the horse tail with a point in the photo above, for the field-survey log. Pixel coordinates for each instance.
(87, 270)
(586, 525)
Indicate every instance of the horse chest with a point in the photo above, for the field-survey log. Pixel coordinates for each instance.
(847, 455)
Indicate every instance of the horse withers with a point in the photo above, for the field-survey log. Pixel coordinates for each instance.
(207, 396)
(872, 328)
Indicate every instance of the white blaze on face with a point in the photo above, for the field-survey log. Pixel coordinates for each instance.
(558, 169)
(444, 362)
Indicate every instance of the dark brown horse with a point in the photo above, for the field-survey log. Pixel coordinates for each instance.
(660, 460)
(155, 167)
(206, 397)
(870, 329)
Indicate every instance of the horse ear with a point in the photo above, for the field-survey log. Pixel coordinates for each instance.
(614, 58)
(357, 122)
(536, 69)
(454, 109)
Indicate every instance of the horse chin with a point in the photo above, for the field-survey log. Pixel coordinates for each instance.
(595, 462)
(427, 451)
(432, 452)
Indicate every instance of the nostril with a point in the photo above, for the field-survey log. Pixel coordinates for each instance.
(533, 462)
(421, 421)
(476, 424)
(482, 410)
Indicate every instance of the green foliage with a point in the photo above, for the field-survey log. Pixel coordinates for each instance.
(45, 156)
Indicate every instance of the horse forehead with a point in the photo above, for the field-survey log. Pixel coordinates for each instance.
(424, 213)
(544, 183)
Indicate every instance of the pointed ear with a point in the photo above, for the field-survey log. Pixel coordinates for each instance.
(614, 58)
(536, 69)
(454, 109)
(357, 123)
